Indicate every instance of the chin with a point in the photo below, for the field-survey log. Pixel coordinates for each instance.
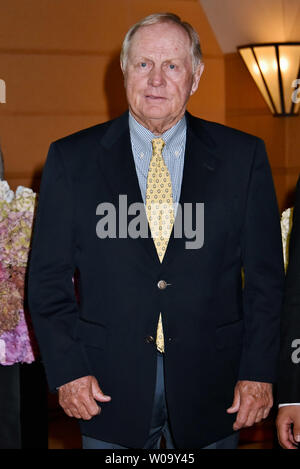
(155, 116)
(155, 113)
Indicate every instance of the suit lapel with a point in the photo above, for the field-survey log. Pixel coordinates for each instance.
(117, 165)
(118, 168)
(200, 164)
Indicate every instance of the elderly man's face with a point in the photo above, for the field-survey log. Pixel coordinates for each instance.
(159, 78)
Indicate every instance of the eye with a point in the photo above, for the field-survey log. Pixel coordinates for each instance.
(172, 66)
(143, 64)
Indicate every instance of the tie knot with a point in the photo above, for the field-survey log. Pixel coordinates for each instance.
(157, 145)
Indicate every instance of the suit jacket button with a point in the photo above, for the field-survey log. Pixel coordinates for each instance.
(149, 339)
(162, 284)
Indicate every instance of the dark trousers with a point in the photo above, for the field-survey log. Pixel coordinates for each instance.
(10, 423)
(159, 428)
(23, 407)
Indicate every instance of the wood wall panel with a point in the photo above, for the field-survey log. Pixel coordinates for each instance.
(55, 83)
(83, 25)
(208, 102)
(30, 141)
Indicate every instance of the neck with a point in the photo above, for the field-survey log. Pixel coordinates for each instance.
(157, 126)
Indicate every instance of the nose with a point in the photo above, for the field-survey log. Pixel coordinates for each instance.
(156, 77)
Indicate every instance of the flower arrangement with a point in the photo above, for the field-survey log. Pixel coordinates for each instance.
(286, 228)
(17, 344)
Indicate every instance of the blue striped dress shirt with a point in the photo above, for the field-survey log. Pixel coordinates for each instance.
(173, 153)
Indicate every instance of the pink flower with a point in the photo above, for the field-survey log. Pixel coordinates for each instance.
(10, 304)
(17, 342)
(4, 274)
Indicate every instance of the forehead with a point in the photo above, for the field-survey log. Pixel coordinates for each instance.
(160, 38)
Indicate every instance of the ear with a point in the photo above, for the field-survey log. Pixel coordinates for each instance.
(196, 78)
(124, 73)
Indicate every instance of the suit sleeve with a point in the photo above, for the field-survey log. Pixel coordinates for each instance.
(262, 258)
(289, 371)
(51, 296)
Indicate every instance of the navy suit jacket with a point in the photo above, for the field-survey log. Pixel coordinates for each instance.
(289, 376)
(217, 331)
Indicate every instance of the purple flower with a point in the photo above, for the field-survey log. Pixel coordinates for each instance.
(17, 343)
(19, 347)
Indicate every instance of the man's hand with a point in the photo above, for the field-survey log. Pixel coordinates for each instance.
(78, 398)
(288, 436)
(252, 401)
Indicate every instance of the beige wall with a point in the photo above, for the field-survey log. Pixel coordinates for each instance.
(60, 62)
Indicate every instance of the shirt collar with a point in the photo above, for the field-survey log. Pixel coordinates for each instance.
(142, 137)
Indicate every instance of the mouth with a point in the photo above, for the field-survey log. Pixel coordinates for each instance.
(154, 98)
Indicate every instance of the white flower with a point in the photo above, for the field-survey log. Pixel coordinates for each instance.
(2, 351)
(6, 194)
(286, 228)
(24, 192)
(25, 199)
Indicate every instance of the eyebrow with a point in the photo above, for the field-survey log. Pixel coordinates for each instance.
(172, 59)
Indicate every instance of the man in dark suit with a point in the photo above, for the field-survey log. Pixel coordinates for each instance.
(164, 325)
(288, 418)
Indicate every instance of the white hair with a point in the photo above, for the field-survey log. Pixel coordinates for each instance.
(156, 18)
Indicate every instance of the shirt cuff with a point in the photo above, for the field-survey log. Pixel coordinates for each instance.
(292, 403)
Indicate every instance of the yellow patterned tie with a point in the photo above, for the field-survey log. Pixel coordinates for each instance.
(160, 211)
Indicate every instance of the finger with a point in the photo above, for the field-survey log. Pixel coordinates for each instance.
(252, 415)
(242, 416)
(260, 415)
(98, 393)
(296, 433)
(68, 412)
(235, 404)
(291, 437)
(80, 410)
(266, 412)
(84, 405)
(284, 434)
(90, 403)
(85, 413)
(76, 405)
(66, 406)
(92, 407)
(74, 411)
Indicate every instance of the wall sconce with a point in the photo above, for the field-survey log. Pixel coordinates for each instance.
(275, 70)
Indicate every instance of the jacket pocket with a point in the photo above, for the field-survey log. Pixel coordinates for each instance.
(229, 335)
